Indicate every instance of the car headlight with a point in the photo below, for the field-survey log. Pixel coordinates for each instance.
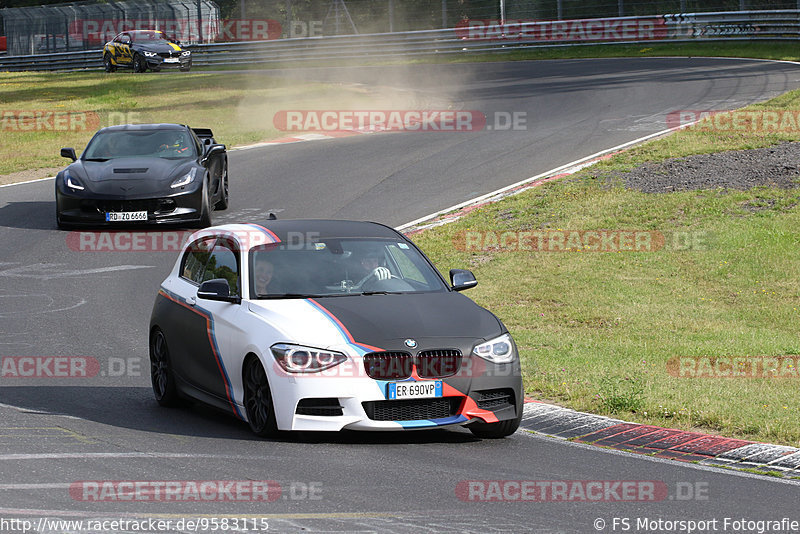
(186, 53)
(497, 350)
(300, 359)
(150, 54)
(184, 180)
(72, 183)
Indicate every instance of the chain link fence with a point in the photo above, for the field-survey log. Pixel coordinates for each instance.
(87, 26)
(339, 17)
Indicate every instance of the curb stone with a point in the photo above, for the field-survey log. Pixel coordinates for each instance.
(680, 445)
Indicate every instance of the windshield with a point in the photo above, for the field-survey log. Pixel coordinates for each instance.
(170, 144)
(145, 36)
(340, 267)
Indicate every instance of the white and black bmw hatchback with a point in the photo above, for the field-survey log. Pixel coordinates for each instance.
(330, 325)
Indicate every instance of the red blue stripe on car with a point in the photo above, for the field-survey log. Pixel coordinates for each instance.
(212, 338)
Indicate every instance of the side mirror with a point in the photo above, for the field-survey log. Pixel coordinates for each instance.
(69, 153)
(217, 289)
(210, 151)
(461, 279)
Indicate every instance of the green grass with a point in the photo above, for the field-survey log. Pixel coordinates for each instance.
(596, 329)
(780, 50)
(238, 107)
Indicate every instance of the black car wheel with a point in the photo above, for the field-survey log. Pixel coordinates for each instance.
(258, 400)
(160, 371)
(107, 63)
(205, 208)
(222, 203)
(139, 64)
(496, 430)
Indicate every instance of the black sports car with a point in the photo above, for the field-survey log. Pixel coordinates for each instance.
(144, 173)
(143, 49)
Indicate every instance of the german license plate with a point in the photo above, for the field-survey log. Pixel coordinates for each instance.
(414, 390)
(171, 60)
(124, 216)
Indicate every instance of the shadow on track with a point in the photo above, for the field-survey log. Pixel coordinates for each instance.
(134, 408)
(29, 215)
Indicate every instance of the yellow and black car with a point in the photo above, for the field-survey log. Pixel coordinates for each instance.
(145, 49)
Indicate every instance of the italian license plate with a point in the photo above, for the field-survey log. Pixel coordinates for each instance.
(124, 216)
(171, 60)
(414, 390)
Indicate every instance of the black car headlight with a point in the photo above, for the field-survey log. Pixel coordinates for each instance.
(72, 183)
(184, 180)
(149, 54)
(497, 350)
(300, 359)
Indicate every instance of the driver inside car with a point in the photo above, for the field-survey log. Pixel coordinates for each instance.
(176, 147)
(371, 263)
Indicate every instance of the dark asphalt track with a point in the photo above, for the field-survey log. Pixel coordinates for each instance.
(55, 301)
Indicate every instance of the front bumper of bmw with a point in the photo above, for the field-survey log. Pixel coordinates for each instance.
(345, 397)
(166, 60)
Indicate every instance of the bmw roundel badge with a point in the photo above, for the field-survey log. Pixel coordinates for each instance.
(410, 343)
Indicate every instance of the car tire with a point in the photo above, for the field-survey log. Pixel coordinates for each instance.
(139, 64)
(222, 203)
(496, 430)
(108, 65)
(161, 377)
(258, 400)
(205, 209)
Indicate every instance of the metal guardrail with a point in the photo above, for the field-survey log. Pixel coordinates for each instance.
(475, 36)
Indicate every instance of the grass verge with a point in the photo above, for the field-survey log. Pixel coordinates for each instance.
(778, 50)
(238, 107)
(597, 330)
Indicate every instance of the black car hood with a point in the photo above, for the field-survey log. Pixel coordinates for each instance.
(130, 177)
(385, 321)
(158, 47)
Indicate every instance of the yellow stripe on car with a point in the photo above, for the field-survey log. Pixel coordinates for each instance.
(175, 47)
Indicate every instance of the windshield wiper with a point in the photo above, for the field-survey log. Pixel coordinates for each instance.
(382, 292)
(96, 159)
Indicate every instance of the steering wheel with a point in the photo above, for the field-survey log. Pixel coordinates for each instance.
(386, 275)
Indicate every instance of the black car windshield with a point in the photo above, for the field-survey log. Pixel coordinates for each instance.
(148, 36)
(171, 144)
(340, 267)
